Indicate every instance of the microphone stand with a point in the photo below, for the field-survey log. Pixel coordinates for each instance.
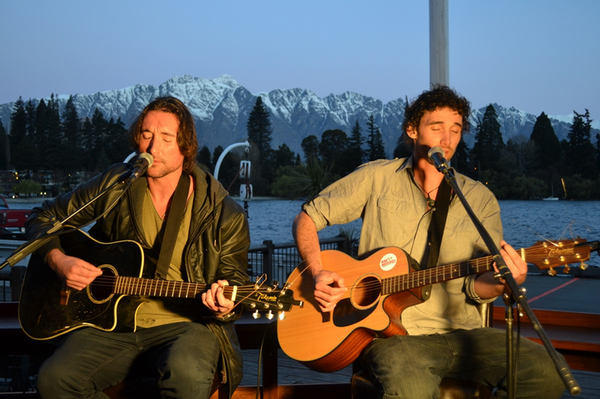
(504, 272)
(35, 244)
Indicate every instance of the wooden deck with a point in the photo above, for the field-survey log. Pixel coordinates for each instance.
(292, 373)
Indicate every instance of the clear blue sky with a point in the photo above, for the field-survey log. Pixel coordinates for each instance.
(535, 55)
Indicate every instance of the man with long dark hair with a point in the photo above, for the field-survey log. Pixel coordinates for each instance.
(178, 343)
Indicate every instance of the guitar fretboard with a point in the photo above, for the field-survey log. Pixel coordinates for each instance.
(157, 288)
(434, 275)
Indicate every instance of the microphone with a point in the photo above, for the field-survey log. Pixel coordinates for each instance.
(436, 155)
(144, 161)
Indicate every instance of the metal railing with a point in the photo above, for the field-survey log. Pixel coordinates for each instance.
(277, 261)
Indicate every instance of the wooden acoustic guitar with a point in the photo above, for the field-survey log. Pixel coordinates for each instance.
(380, 287)
(47, 309)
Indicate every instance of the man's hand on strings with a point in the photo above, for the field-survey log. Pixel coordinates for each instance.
(214, 299)
(75, 272)
(517, 266)
(329, 289)
(487, 286)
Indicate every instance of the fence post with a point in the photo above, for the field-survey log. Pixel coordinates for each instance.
(268, 259)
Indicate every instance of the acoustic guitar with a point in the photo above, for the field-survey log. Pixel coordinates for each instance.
(47, 309)
(380, 287)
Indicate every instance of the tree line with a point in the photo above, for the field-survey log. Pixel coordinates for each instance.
(43, 143)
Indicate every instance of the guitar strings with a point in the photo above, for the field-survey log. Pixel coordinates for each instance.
(417, 279)
(115, 282)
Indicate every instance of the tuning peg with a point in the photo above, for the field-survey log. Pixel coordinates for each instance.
(275, 283)
(256, 314)
(567, 269)
(583, 266)
(552, 272)
(270, 315)
(281, 316)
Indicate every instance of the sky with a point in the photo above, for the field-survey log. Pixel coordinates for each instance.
(535, 55)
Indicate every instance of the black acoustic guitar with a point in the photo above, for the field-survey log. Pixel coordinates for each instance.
(48, 309)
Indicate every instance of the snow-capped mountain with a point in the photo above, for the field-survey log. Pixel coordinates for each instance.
(221, 107)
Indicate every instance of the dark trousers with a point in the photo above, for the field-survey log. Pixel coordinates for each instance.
(413, 366)
(182, 357)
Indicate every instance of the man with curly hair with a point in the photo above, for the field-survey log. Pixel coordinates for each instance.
(396, 200)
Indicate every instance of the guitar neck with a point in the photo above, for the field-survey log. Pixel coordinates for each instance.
(161, 288)
(439, 274)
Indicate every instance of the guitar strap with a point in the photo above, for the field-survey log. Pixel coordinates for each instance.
(438, 222)
(174, 218)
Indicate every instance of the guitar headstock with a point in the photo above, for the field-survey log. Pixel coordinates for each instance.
(270, 299)
(551, 254)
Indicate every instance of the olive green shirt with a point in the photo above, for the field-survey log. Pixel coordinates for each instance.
(394, 213)
(158, 311)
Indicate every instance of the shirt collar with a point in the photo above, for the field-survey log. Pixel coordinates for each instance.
(408, 163)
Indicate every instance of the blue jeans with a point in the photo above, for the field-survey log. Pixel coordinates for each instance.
(183, 357)
(413, 366)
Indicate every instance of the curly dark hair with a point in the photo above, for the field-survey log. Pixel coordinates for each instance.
(186, 135)
(440, 96)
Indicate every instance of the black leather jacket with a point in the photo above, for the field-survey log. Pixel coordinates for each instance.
(217, 246)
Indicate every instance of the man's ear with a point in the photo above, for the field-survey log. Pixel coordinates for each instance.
(411, 132)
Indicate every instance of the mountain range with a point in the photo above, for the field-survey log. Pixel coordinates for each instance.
(221, 107)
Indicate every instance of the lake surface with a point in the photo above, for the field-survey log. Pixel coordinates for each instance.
(525, 222)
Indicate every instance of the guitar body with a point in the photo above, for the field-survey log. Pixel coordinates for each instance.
(328, 342)
(47, 309)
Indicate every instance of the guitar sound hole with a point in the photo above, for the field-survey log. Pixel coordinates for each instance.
(103, 287)
(366, 292)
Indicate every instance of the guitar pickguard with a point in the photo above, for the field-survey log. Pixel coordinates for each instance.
(345, 314)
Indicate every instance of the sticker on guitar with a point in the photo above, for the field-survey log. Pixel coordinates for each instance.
(387, 262)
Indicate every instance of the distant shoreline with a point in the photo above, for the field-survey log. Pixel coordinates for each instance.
(42, 199)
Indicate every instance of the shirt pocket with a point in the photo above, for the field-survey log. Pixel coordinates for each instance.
(397, 221)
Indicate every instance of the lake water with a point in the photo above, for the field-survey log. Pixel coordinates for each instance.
(525, 222)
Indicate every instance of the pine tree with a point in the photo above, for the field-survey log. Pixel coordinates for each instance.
(333, 150)
(283, 156)
(488, 140)
(580, 154)
(259, 128)
(598, 151)
(117, 141)
(376, 149)
(18, 137)
(547, 146)
(460, 160)
(203, 158)
(310, 147)
(54, 159)
(30, 110)
(98, 141)
(355, 153)
(87, 140)
(72, 147)
(261, 153)
(3, 147)
(40, 134)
